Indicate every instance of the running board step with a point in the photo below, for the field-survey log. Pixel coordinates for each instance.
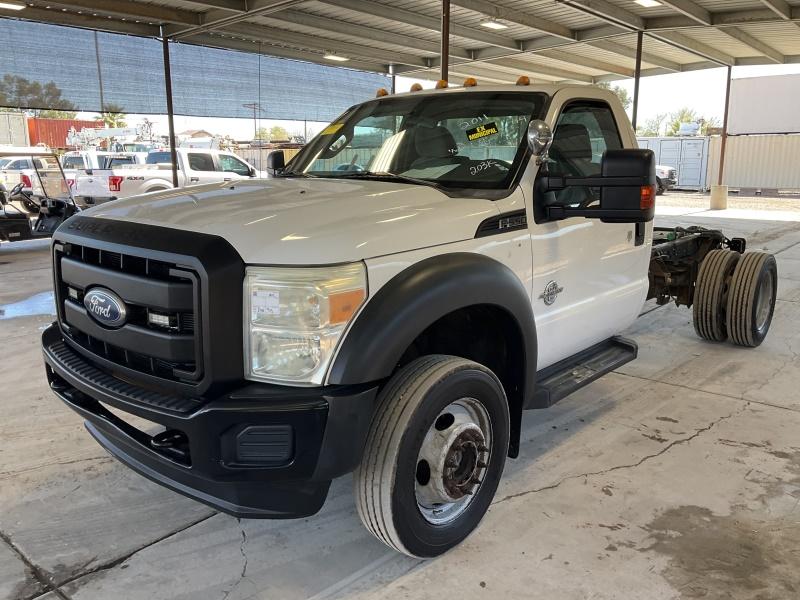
(558, 381)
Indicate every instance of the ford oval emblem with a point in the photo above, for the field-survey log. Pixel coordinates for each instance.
(105, 307)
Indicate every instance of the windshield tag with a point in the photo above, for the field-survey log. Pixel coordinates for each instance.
(481, 131)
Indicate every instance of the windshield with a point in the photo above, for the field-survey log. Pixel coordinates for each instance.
(455, 140)
(158, 157)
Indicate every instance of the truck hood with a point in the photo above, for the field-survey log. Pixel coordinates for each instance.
(309, 221)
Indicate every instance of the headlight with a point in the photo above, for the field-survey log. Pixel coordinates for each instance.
(294, 318)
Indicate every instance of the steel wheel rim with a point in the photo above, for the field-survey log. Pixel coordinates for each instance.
(764, 303)
(455, 453)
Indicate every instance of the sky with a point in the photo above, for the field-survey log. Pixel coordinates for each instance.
(703, 91)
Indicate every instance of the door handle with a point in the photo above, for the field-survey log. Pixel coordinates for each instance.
(226, 179)
(194, 179)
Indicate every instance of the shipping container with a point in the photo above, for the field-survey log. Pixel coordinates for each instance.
(13, 131)
(53, 132)
(688, 155)
(758, 162)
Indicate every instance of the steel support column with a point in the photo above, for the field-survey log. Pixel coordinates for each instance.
(445, 51)
(637, 77)
(724, 140)
(170, 109)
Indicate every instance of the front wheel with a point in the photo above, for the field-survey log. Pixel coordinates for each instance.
(434, 455)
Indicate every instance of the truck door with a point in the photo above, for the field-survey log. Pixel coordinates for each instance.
(589, 277)
(201, 168)
(232, 167)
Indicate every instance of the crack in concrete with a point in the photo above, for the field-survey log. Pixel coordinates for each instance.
(5, 474)
(243, 573)
(117, 561)
(40, 575)
(638, 463)
(718, 394)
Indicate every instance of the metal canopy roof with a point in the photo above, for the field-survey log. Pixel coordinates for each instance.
(550, 40)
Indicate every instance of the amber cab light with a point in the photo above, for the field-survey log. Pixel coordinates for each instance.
(648, 197)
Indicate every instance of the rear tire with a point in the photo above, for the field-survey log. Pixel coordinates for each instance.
(660, 187)
(434, 455)
(711, 294)
(751, 301)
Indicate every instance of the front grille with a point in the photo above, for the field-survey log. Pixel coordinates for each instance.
(148, 286)
(673, 174)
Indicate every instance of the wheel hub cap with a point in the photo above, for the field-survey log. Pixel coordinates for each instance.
(452, 460)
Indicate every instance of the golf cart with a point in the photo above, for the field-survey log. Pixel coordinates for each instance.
(49, 189)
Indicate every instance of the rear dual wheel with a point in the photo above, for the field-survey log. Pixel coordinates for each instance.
(751, 300)
(735, 297)
(434, 455)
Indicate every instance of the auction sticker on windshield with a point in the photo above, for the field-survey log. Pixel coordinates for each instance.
(481, 131)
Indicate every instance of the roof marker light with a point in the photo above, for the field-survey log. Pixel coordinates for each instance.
(524, 80)
(470, 82)
(416, 87)
(441, 84)
(381, 93)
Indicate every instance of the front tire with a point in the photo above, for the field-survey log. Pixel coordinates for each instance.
(434, 455)
(660, 187)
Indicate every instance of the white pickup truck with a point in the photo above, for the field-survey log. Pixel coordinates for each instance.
(195, 167)
(394, 321)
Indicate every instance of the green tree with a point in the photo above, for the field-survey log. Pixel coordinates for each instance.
(262, 134)
(278, 134)
(679, 117)
(652, 127)
(33, 97)
(57, 114)
(621, 93)
(113, 116)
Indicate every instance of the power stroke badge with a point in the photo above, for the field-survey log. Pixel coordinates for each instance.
(550, 293)
(105, 307)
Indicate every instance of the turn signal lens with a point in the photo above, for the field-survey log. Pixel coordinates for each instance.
(648, 197)
(524, 80)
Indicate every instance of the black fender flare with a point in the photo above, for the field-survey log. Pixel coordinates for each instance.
(419, 296)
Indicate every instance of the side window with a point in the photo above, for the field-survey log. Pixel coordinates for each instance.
(73, 162)
(231, 164)
(584, 131)
(201, 162)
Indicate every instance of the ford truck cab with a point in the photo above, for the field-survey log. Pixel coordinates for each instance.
(393, 320)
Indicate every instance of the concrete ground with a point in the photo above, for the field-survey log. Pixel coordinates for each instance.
(676, 477)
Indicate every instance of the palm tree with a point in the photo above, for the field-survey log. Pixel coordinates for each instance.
(113, 116)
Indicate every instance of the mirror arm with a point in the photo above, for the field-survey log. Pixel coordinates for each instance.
(559, 183)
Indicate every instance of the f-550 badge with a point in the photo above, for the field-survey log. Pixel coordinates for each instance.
(551, 291)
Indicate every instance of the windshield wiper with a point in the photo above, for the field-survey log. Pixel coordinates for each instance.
(296, 174)
(383, 176)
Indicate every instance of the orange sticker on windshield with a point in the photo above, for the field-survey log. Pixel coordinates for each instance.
(332, 128)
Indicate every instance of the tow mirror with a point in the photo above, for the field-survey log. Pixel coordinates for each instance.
(540, 138)
(627, 183)
(252, 172)
(276, 162)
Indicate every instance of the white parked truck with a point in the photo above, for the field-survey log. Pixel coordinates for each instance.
(393, 320)
(195, 166)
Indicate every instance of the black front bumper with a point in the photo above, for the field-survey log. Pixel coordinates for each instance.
(259, 451)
